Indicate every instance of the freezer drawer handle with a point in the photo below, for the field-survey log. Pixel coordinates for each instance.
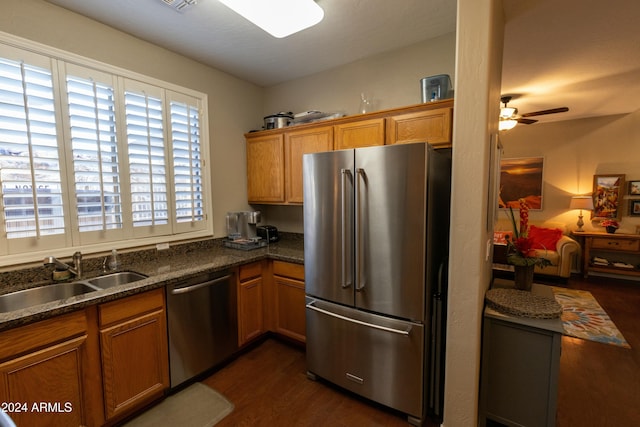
(187, 289)
(348, 319)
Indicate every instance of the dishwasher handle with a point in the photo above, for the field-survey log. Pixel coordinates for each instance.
(192, 288)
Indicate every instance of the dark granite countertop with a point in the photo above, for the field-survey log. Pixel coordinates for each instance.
(162, 267)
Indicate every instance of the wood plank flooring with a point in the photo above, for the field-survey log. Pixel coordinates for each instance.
(599, 384)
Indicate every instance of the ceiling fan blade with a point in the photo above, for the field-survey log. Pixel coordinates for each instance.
(526, 121)
(543, 112)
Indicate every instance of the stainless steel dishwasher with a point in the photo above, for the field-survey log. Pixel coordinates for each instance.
(202, 324)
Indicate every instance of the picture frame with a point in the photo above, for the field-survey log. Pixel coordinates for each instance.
(607, 197)
(521, 178)
(634, 188)
(634, 207)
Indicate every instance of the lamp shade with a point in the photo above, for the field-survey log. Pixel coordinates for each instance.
(506, 124)
(581, 202)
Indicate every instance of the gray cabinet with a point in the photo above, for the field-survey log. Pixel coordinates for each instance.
(520, 364)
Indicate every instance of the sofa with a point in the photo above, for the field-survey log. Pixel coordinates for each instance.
(561, 249)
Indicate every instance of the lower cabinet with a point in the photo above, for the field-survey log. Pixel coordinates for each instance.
(250, 303)
(289, 299)
(520, 368)
(47, 370)
(133, 339)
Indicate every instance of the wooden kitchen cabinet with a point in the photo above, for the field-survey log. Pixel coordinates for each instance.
(274, 156)
(298, 143)
(290, 316)
(361, 133)
(432, 126)
(133, 339)
(48, 372)
(250, 303)
(265, 168)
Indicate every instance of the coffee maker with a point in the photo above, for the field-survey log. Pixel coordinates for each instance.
(241, 226)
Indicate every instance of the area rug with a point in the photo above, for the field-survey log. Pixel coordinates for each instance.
(196, 406)
(582, 317)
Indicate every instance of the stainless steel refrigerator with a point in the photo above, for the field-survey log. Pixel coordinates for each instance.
(376, 232)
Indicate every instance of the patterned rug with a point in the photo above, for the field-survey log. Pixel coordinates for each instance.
(582, 317)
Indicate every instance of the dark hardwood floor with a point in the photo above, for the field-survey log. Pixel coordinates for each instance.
(269, 387)
(599, 384)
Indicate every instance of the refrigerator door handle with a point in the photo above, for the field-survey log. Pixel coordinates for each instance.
(360, 175)
(311, 306)
(346, 258)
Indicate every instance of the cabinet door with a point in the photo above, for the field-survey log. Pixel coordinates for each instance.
(432, 126)
(362, 133)
(290, 308)
(135, 366)
(297, 144)
(49, 382)
(265, 169)
(250, 317)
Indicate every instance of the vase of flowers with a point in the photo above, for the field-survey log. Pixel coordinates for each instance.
(611, 225)
(520, 251)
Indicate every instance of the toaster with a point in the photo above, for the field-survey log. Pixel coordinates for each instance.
(268, 233)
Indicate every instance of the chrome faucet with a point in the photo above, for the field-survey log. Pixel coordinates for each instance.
(77, 264)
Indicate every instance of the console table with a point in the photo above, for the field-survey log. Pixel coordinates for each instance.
(520, 366)
(621, 252)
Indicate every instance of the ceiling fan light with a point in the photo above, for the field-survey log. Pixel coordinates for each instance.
(506, 112)
(506, 124)
(280, 18)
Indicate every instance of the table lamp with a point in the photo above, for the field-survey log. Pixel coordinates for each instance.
(581, 202)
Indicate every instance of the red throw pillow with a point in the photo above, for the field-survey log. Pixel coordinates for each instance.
(544, 238)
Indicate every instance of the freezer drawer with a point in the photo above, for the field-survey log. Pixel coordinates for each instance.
(374, 356)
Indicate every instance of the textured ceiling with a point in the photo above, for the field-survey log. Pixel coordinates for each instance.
(215, 35)
(583, 54)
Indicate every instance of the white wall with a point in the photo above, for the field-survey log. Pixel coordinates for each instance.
(234, 104)
(478, 74)
(574, 151)
(393, 79)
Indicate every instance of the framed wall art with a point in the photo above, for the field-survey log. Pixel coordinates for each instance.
(634, 207)
(607, 196)
(634, 188)
(521, 178)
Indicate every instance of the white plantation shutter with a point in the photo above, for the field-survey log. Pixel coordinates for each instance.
(147, 157)
(187, 160)
(30, 174)
(93, 156)
(94, 145)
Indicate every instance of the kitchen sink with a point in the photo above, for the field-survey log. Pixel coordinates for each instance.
(42, 294)
(115, 279)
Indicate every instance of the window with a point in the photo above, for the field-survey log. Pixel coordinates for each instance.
(92, 157)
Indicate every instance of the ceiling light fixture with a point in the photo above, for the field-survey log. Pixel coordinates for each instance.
(280, 18)
(506, 123)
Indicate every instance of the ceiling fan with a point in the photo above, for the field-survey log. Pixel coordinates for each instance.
(509, 116)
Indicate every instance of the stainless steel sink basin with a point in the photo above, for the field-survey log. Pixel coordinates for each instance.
(115, 279)
(42, 294)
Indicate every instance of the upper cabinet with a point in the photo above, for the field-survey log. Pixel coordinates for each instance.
(298, 143)
(362, 133)
(433, 126)
(265, 168)
(274, 157)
